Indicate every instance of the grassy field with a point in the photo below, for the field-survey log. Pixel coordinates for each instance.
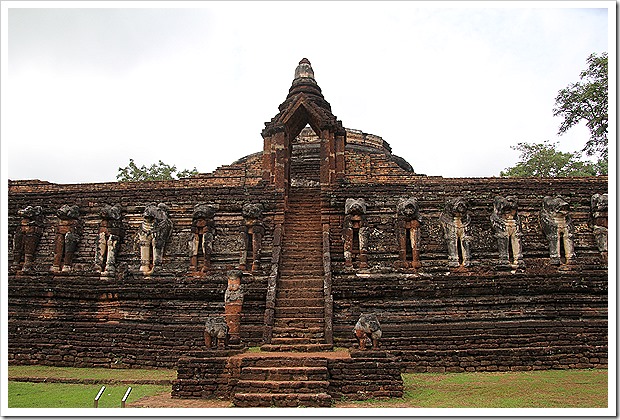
(91, 373)
(58, 395)
(538, 389)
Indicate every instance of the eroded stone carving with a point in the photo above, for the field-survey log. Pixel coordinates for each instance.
(27, 237)
(557, 226)
(110, 232)
(599, 221)
(233, 303)
(68, 231)
(155, 230)
(507, 225)
(252, 232)
(201, 242)
(216, 332)
(455, 220)
(368, 328)
(408, 223)
(355, 232)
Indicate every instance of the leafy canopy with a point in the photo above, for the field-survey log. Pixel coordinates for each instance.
(544, 160)
(587, 100)
(156, 172)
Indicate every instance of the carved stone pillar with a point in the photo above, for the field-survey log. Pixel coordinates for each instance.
(110, 231)
(557, 226)
(68, 233)
(233, 303)
(600, 222)
(408, 223)
(27, 237)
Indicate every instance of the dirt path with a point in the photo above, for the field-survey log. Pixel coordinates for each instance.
(164, 400)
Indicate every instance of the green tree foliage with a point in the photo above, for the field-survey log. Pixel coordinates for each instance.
(544, 160)
(156, 172)
(587, 100)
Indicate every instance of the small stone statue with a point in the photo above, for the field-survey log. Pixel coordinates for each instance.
(599, 221)
(252, 232)
(355, 232)
(27, 237)
(110, 232)
(155, 230)
(507, 225)
(201, 242)
(455, 220)
(408, 222)
(216, 332)
(68, 233)
(557, 226)
(368, 328)
(233, 303)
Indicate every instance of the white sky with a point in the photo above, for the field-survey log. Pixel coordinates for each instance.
(451, 86)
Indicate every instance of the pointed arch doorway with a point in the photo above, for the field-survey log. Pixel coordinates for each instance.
(304, 105)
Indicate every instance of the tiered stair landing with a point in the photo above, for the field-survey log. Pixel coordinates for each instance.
(288, 379)
(282, 381)
(299, 322)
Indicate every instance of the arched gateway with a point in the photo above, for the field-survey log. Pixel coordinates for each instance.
(304, 105)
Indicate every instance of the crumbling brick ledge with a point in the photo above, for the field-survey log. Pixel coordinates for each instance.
(353, 374)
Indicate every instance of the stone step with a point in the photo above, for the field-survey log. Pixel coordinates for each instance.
(310, 337)
(281, 387)
(314, 332)
(299, 323)
(296, 347)
(301, 312)
(302, 257)
(286, 373)
(308, 284)
(295, 340)
(302, 229)
(318, 301)
(293, 293)
(282, 400)
(262, 360)
(312, 243)
(299, 255)
(300, 273)
(288, 271)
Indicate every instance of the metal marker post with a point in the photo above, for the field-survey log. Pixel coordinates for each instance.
(125, 397)
(99, 396)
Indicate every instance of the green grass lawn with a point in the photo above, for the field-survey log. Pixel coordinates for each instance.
(535, 389)
(38, 371)
(56, 395)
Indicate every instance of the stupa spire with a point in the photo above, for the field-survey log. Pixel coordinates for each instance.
(304, 69)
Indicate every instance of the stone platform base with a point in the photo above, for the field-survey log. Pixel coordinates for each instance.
(288, 379)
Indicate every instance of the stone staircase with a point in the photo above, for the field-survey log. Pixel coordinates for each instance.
(280, 381)
(299, 314)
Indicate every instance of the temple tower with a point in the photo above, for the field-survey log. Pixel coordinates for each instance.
(304, 105)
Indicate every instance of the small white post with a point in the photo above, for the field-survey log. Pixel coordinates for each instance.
(125, 397)
(99, 396)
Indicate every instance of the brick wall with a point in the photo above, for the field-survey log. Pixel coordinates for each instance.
(480, 318)
(435, 319)
(82, 319)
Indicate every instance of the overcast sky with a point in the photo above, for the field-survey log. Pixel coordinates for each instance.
(450, 87)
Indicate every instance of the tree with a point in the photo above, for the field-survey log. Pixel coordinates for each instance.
(587, 100)
(156, 172)
(544, 160)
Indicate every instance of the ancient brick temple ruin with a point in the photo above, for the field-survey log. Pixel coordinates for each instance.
(286, 248)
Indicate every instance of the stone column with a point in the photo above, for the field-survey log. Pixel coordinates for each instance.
(233, 303)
